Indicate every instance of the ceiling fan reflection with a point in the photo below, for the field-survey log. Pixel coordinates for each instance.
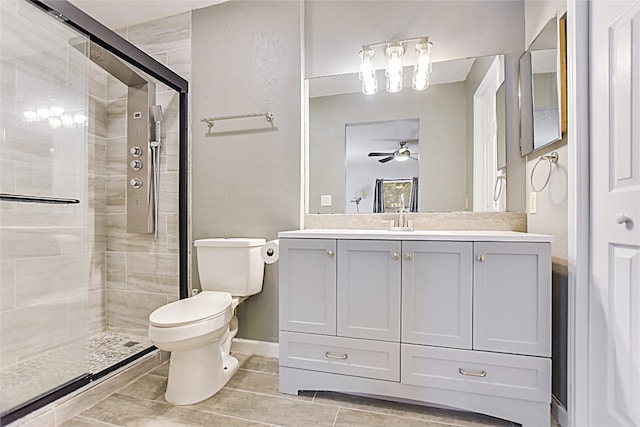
(401, 154)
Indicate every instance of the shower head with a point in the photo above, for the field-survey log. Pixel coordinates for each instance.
(155, 114)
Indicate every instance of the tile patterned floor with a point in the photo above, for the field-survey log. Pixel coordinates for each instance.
(251, 398)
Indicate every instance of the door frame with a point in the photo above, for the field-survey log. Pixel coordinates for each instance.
(579, 220)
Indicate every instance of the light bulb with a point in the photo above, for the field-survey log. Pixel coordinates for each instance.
(79, 119)
(420, 80)
(67, 120)
(57, 111)
(43, 113)
(54, 123)
(367, 73)
(422, 69)
(394, 68)
(369, 86)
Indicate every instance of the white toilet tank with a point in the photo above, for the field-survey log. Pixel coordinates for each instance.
(231, 265)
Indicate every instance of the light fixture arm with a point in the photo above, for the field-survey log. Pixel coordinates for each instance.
(424, 39)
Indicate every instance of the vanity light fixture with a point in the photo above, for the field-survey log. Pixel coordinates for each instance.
(394, 52)
(423, 67)
(367, 73)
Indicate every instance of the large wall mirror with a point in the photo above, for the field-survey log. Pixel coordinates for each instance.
(453, 136)
(541, 83)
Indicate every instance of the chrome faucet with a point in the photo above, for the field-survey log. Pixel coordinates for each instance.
(402, 223)
(401, 212)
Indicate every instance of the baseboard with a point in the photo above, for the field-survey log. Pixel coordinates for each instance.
(559, 412)
(259, 348)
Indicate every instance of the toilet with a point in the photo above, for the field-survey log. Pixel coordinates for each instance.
(198, 330)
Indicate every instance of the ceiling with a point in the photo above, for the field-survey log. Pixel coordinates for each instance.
(117, 14)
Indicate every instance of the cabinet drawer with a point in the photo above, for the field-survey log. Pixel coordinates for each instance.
(349, 356)
(520, 377)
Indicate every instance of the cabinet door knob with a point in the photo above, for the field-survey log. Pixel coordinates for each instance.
(330, 254)
(336, 356)
(408, 256)
(472, 374)
(481, 257)
(395, 256)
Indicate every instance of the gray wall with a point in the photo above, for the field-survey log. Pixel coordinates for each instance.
(245, 174)
(552, 211)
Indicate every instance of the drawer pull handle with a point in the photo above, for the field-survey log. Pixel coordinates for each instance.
(333, 356)
(481, 257)
(330, 254)
(395, 256)
(473, 374)
(408, 256)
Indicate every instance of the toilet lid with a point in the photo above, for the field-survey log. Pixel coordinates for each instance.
(189, 310)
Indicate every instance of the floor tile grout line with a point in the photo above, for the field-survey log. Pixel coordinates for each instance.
(335, 419)
(84, 417)
(257, 371)
(403, 417)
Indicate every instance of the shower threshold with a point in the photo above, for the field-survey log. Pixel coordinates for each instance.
(54, 370)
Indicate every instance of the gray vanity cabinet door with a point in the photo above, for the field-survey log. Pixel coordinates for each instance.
(369, 289)
(308, 285)
(512, 298)
(437, 282)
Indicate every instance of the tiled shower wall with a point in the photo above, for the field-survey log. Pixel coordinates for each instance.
(141, 274)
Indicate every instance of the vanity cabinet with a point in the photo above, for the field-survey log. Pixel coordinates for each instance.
(456, 319)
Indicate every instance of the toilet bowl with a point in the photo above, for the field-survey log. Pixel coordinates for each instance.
(198, 330)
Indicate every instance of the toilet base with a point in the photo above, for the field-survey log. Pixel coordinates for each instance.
(198, 374)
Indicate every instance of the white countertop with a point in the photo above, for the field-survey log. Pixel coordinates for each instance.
(476, 236)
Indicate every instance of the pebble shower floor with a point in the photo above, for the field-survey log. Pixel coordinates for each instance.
(51, 369)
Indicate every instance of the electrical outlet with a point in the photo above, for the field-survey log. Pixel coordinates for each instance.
(325, 200)
(533, 202)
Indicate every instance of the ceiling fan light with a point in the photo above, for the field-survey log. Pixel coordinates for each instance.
(402, 154)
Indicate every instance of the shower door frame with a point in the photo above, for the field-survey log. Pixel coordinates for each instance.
(123, 49)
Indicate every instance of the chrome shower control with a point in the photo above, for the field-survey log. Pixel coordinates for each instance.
(136, 151)
(136, 165)
(136, 183)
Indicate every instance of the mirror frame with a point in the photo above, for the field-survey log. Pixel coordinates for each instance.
(527, 143)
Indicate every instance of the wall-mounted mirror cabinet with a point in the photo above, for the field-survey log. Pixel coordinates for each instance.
(542, 77)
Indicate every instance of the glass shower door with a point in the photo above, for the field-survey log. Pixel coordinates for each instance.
(44, 208)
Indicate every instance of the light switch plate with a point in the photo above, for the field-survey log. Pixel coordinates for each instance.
(325, 200)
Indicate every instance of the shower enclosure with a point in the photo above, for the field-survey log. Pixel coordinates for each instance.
(92, 200)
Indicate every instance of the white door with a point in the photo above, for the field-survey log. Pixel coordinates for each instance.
(485, 140)
(614, 297)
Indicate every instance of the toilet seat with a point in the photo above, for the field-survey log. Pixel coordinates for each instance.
(206, 305)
